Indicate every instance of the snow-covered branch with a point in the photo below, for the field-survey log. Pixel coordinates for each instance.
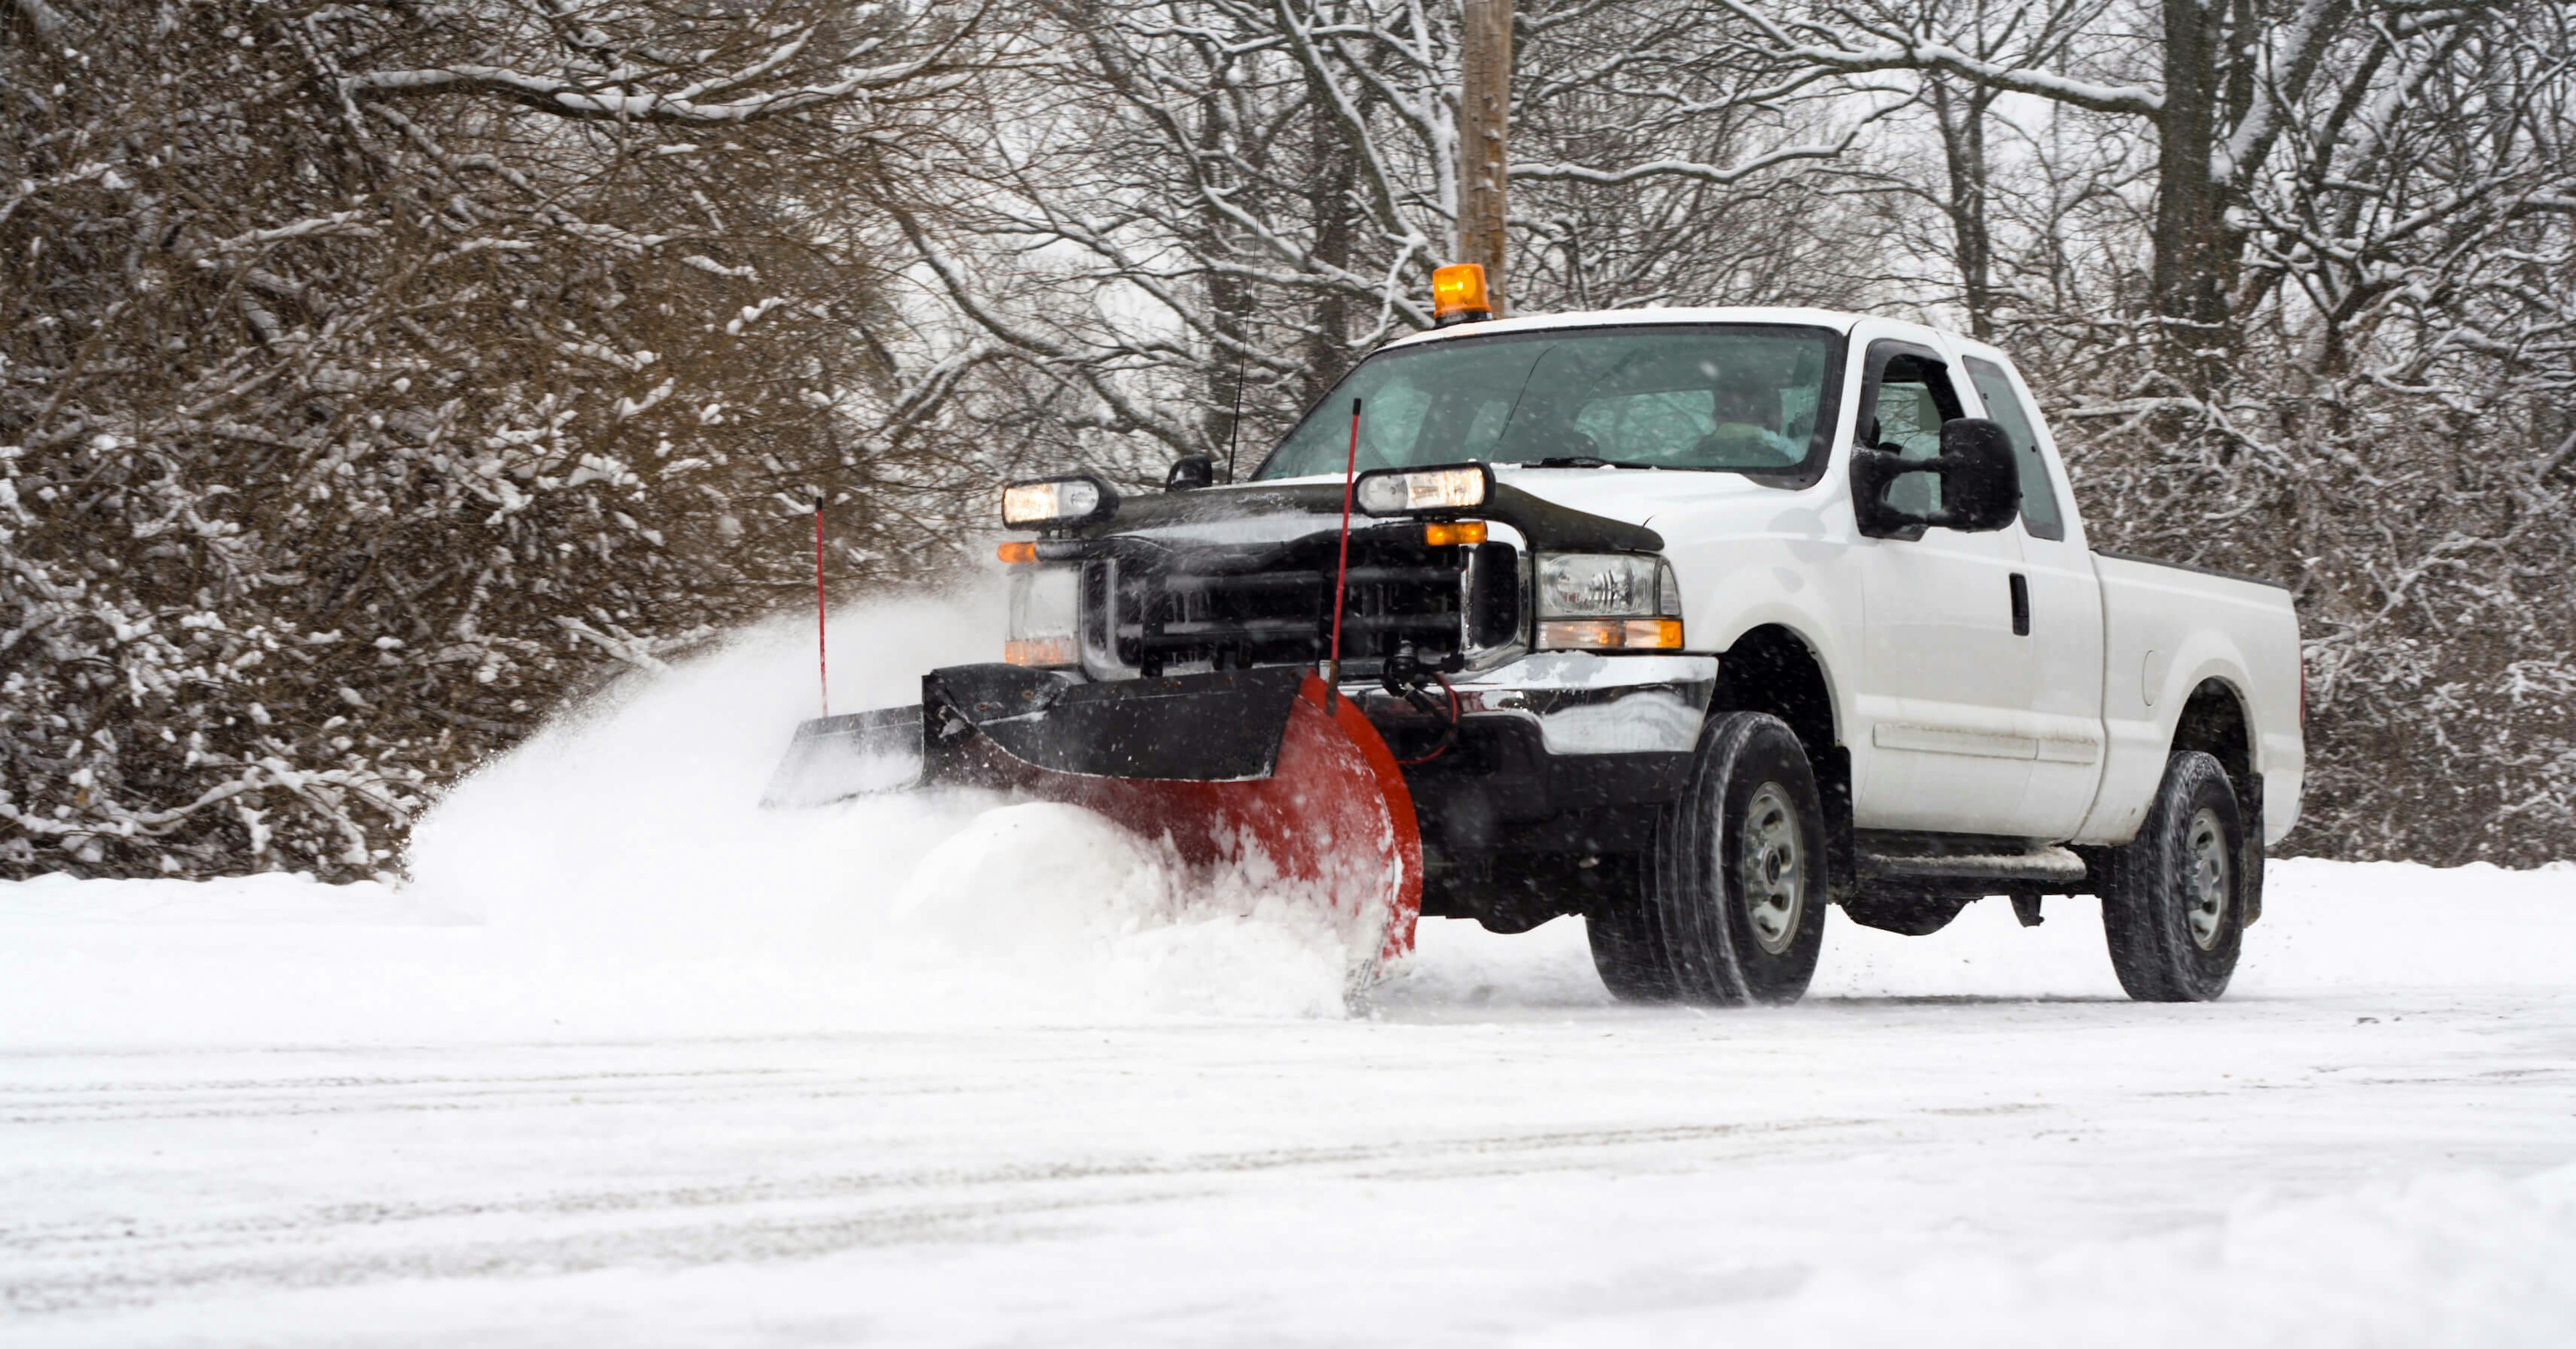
(1898, 48)
(583, 98)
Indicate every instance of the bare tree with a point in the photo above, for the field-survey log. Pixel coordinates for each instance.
(2316, 332)
(371, 376)
(1192, 198)
(2220, 85)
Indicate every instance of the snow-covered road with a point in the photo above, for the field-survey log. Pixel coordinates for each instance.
(1962, 1139)
(632, 1063)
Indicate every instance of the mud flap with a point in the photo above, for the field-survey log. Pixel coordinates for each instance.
(1247, 769)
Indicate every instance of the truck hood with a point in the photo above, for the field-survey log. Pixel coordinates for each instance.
(1629, 495)
(1539, 503)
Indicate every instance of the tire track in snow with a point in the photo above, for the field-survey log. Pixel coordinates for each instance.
(137, 1264)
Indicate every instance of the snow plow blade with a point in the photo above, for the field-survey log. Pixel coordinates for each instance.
(1240, 768)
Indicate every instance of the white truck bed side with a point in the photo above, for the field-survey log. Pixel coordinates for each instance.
(2166, 630)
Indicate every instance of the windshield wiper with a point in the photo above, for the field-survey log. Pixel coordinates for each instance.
(1583, 461)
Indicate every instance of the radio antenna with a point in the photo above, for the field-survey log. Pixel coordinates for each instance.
(1234, 436)
(1342, 569)
(822, 646)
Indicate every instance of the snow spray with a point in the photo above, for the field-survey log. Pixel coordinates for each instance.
(622, 850)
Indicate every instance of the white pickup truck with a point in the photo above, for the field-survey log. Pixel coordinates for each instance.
(1693, 622)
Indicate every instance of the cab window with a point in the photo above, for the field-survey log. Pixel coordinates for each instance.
(1907, 403)
(2039, 513)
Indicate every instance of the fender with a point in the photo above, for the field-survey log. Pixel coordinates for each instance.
(2139, 745)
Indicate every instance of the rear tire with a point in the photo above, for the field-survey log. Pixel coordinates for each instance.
(2174, 908)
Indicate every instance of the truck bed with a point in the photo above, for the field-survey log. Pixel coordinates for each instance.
(2170, 628)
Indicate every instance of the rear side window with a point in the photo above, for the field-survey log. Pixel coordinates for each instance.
(2039, 515)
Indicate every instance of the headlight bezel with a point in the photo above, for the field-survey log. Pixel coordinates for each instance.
(1605, 602)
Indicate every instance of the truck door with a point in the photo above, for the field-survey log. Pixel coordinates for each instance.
(1946, 684)
(2063, 606)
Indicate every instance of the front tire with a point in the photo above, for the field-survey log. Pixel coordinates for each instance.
(2174, 908)
(1629, 952)
(1735, 881)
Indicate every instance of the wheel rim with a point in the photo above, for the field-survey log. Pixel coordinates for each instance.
(1774, 884)
(2207, 887)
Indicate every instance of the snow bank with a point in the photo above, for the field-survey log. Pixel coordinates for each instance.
(2329, 928)
(276, 897)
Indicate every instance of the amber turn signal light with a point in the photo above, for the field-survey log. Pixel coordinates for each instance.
(1611, 634)
(1458, 294)
(1446, 533)
(1042, 653)
(1018, 550)
(1653, 634)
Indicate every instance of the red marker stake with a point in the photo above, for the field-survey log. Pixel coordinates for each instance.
(1342, 571)
(822, 648)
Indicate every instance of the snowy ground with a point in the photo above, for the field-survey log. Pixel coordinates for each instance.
(630, 1064)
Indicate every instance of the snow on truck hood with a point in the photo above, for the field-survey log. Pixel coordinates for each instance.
(1631, 495)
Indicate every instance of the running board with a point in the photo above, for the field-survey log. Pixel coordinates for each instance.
(2044, 865)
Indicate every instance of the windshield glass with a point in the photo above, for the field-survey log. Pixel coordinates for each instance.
(1732, 398)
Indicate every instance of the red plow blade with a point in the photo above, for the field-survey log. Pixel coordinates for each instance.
(1260, 771)
(1333, 819)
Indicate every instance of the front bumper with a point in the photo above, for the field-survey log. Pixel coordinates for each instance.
(1576, 703)
(1561, 752)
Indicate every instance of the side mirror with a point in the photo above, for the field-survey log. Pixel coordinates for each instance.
(1980, 483)
(1188, 471)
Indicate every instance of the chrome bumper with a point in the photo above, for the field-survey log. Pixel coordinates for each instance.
(1580, 703)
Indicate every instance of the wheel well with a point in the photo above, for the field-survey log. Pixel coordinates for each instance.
(2213, 722)
(1771, 669)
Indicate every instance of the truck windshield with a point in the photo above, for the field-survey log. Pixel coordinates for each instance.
(1729, 398)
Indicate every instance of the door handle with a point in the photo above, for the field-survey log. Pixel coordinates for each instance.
(2021, 605)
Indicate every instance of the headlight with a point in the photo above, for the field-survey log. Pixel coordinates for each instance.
(1046, 617)
(1411, 491)
(1608, 602)
(1599, 585)
(1056, 501)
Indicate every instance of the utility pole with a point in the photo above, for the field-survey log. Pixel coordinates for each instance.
(1484, 111)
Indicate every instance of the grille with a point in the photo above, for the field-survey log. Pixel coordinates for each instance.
(1220, 609)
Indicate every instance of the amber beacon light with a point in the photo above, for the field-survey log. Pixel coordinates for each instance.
(1458, 294)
